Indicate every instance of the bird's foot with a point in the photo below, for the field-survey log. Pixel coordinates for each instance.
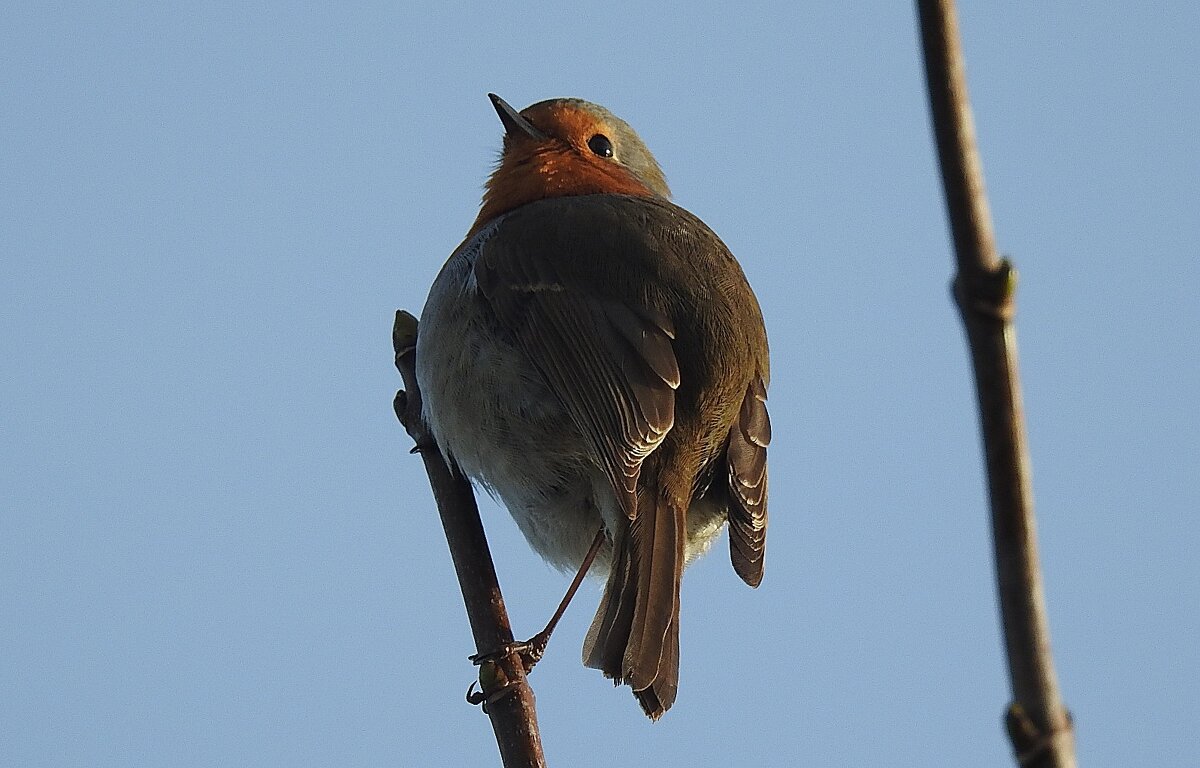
(529, 651)
(494, 683)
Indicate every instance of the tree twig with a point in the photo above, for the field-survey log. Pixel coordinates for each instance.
(506, 695)
(1037, 722)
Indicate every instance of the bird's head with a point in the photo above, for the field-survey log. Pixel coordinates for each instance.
(562, 147)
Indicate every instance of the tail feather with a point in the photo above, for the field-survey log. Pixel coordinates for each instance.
(656, 545)
(604, 646)
(634, 638)
(658, 697)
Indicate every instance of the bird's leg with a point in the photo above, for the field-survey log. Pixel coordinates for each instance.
(536, 645)
(531, 650)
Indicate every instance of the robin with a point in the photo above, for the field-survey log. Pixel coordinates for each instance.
(593, 355)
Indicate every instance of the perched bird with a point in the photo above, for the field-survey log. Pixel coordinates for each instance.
(593, 355)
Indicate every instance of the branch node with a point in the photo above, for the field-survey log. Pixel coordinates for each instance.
(987, 293)
(1030, 742)
(404, 333)
(407, 404)
(400, 406)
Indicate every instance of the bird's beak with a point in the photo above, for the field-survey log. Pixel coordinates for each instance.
(514, 124)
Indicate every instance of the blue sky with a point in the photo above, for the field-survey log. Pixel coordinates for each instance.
(215, 549)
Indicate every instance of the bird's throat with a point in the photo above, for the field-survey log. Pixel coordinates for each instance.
(530, 173)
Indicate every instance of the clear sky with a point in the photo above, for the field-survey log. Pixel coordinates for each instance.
(215, 549)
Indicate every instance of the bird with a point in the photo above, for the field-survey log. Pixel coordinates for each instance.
(593, 355)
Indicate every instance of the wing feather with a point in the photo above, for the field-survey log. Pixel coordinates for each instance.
(611, 363)
(747, 461)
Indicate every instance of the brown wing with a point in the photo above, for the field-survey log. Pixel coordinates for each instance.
(747, 460)
(610, 361)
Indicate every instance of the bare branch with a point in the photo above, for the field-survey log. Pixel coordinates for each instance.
(1037, 722)
(506, 695)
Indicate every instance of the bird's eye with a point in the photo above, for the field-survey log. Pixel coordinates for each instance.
(600, 145)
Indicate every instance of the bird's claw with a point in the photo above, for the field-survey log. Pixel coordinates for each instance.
(494, 685)
(481, 699)
(529, 651)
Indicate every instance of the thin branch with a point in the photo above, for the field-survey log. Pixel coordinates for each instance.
(506, 695)
(1037, 722)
